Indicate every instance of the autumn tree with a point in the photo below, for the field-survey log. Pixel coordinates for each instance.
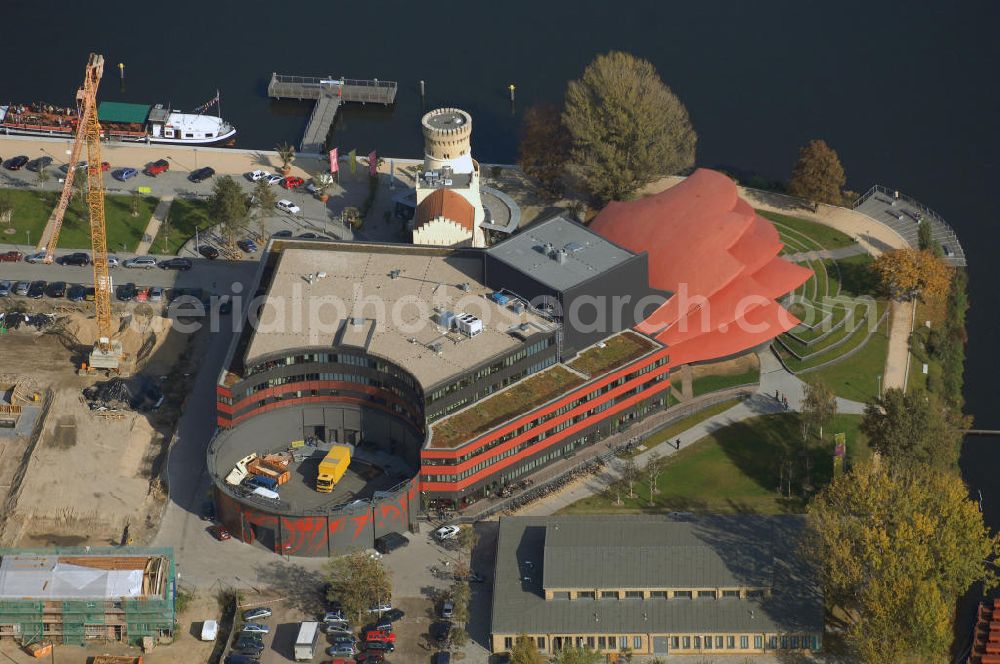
(229, 207)
(358, 582)
(819, 406)
(626, 126)
(911, 273)
(913, 427)
(544, 149)
(525, 651)
(895, 546)
(818, 176)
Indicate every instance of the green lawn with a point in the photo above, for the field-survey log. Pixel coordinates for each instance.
(185, 215)
(706, 384)
(685, 423)
(736, 469)
(822, 234)
(857, 378)
(33, 208)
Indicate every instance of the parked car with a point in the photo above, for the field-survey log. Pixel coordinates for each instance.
(286, 205)
(220, 532)
(255, 628)
(447, 609)
(253, 176)
(6, 288)
(155, 168)
(446, 532)
(144, 262)
(307, 236)
(331, 616)
(76, 293)
(387, 646)
(114, 261)
(57, 290)
(142, 295)
(176, 264)
(252, 649)
(80, 165)
(292, 182)
(156, 294)
(37, 257)
(369, 657)
(16, 163)
(240, 659)
(11, 256)
(39, 164)
(126, 292)
(105, 166)
(208, 251)
(342, 640)
(440, 631)
(79, 258)
(21, 288)
(125, 174)
(247, 245)
(273, 179)
(380, 607)
(379, 635)
(280, 234)
(209, 630)
(255, 615)
(201, 174)
(36, 290)
(344, 650)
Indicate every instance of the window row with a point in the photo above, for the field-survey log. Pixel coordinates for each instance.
(731, 593)
(487, 371)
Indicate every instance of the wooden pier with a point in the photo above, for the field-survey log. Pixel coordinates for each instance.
(329, 93)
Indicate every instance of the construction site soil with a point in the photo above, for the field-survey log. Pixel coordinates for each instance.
(92, 477)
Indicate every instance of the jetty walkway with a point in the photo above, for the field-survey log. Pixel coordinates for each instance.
(329, 93)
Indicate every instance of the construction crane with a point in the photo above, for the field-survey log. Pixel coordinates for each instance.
(106, 353)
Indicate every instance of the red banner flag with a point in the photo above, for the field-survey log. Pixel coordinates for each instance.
(372, 163)
(334, 164)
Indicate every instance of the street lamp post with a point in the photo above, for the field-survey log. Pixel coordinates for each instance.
(27, 233)
(878, 382)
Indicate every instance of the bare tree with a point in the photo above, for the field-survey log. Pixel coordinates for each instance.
(630, 473)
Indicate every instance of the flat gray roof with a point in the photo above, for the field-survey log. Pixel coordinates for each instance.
(630, 553)
(358, 303)
(587, 254)
(737, 542)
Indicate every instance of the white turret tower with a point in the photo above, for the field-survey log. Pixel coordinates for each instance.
(447, 140)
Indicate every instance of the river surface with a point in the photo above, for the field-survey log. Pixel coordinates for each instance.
(905, 92)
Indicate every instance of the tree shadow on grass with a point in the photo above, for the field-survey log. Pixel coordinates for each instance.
(858, 278)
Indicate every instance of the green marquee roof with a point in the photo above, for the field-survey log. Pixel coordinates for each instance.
(116, 111)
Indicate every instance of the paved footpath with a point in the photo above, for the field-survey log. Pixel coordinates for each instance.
(153, 227)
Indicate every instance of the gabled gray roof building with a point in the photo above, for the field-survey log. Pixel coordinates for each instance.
(658, 584)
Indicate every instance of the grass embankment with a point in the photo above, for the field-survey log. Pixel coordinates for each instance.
(737, 469)
(185, 215)
(823, 235)
(499, 408)
(685, 423)
(32, 210)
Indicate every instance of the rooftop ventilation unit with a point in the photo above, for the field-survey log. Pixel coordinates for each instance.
(573, 247)
(465, 288)
(517, 307)
(468, 325)
(394, 274)
(445, 319)
(436, 347)
(357, 322)
(560, 256)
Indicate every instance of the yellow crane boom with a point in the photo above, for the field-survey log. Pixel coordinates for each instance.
(88, 132)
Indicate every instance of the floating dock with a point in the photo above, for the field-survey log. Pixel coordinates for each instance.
(329, 92)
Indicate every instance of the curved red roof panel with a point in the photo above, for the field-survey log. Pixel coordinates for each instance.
(719, 258)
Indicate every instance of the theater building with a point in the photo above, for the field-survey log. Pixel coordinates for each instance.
(655, 585)
(457, 370)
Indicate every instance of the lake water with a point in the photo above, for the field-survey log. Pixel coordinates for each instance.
(905, 92)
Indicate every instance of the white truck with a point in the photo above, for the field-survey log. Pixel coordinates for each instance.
(305, 642)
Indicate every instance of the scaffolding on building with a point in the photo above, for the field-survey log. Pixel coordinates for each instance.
(109, 618)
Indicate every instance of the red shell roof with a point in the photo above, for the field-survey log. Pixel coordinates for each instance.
(718, 257)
